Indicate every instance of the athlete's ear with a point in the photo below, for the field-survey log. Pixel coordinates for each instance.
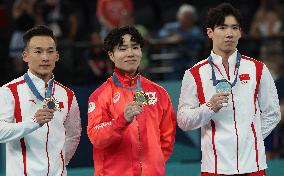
(210, 32)
(25, 56)
(111, 56)
(57, 56)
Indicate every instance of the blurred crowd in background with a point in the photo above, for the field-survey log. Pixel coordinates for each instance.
(173, 30)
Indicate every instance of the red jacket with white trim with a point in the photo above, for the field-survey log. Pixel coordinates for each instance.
(31, 149)
(232, 138)
(122, 148)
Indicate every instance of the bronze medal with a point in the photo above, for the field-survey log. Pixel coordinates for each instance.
(51, 103)
(141, 97)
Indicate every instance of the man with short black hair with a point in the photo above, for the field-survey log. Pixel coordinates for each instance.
(232, 98)
(131, 121)
(39, 118)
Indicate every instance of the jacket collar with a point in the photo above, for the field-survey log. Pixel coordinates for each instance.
(125, 79)
(39, 83)
(218, 59)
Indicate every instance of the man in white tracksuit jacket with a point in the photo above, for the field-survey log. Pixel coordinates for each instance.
(41, 135)
(234, 123)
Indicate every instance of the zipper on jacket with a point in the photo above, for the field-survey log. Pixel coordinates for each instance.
(139, 146)
(132, 81)
(139, 136)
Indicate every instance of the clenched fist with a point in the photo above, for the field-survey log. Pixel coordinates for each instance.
(132, 109)
(218, 100)
(44, 115)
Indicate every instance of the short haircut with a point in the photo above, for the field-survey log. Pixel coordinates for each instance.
(114, 37)
(216, 16)
(186, 8)
(39, 30)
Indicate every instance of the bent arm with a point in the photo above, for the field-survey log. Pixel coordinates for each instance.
(191, 115)
(103, 130)
(9, 130)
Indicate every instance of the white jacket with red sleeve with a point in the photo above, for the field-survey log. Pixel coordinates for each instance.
(31, 149)
(232, 138)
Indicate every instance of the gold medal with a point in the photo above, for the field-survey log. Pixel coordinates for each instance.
(141, 97)
(51, 103)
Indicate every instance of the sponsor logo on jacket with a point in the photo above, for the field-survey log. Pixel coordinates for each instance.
(91, 107)
(116, 97)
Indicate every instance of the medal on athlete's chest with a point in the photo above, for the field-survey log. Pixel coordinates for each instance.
(223, 86)
(141, 97)
(51, 103)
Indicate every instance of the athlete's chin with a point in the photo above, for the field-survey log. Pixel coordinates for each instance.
(45, 69)
(45, 72)
(229, 49)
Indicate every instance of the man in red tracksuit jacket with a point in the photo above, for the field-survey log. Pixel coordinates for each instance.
(130, 137)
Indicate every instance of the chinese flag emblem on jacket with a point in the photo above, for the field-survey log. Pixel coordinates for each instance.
(244, 77)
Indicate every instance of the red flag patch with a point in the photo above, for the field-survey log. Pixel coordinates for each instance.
(244, 77)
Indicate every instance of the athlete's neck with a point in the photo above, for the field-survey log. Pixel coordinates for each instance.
(130, 74)
(225, 55)
(44, 77)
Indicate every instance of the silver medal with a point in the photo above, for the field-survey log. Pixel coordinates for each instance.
(223, 86)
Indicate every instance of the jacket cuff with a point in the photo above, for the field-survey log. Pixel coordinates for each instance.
(31, 124)
(207, 110)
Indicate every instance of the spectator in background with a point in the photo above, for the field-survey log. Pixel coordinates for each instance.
(97, 60)
(267, 20)
(267, 25)
(25, 14)
(109, 13)
(61, 17)
(183, 37)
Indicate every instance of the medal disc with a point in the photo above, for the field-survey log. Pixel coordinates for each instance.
(223, 86)
(50, 105)
(141, 97)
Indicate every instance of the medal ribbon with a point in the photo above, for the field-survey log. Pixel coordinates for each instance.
(35, 91)
(215, 81)
(117, 82)
(137, 88)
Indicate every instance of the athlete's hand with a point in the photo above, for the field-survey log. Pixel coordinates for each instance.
(44, 115)
(132, 109)
(219, 100)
